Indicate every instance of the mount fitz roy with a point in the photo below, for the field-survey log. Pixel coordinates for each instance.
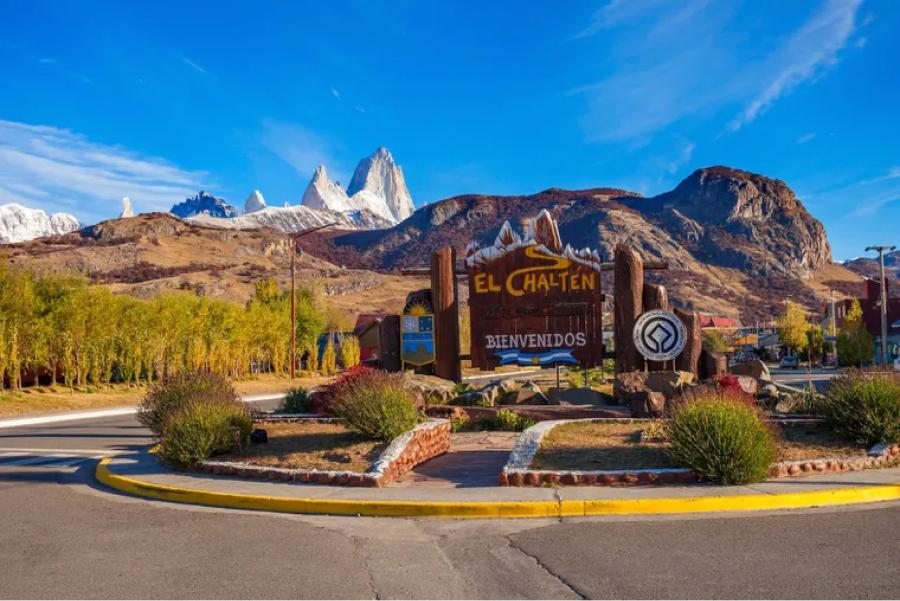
(377, 186)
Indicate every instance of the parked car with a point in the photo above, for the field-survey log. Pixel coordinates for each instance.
(790, 362)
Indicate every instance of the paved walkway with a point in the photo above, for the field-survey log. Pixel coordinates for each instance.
(474, 460)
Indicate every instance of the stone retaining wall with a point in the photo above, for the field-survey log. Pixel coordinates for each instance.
(425, 441)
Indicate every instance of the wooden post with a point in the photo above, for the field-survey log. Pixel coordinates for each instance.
(689, 358)
(628, 292)
(655, 297)
(293, 309)
(389, 343)
(445, 303)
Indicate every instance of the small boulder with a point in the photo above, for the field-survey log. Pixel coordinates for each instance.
(670, 383)
(753, 368)
(647, 404)
(530, 394)
(748, 384)
(627, 383)
(713, 365)
(259, 436)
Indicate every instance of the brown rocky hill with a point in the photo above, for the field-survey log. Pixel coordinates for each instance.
(869, 267)
(157, 252)
(736, 242)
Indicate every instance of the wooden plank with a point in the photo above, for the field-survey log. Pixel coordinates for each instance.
(628, 293)
(655, 297)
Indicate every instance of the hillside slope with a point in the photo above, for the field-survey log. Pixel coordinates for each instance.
(736, 242)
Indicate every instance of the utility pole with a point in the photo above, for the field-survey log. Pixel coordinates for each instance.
(293, 239)
(884, 302)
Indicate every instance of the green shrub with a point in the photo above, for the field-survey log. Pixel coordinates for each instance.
(296, 400)
(864, 406)
(167, 397)
(722, 440)
(510, 421)
(374, 403)
(203, 429)
(460, 422)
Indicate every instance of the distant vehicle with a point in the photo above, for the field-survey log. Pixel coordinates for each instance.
(790, 362)
(897, 363)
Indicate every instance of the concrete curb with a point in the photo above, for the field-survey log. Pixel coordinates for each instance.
(497, 509)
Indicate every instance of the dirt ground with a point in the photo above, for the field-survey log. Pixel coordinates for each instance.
(311, 445)
(604, 446)
(46, 399)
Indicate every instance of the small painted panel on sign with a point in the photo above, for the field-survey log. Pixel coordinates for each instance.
(417, 339)
(659, 335)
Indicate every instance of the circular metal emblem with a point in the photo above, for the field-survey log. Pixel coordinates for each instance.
(659, 335)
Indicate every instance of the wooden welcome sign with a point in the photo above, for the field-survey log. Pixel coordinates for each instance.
(533, 302)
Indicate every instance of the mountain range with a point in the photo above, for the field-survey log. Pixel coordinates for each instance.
(735, 242)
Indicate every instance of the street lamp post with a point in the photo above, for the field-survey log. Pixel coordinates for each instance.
(884, 302)
(294, 238)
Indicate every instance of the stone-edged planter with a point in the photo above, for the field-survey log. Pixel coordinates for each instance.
(516, 472)
(879, 455)
(425, 441)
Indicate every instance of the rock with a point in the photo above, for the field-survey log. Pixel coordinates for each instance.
(670, 383)
(767, 390)
(431, 390)
(753, 368)
(748, 384)
(647, 404)
(627, 383)
(259, 436)
(531, 394)
(712, 365)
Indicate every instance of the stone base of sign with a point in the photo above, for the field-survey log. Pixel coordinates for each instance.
(880, 455)
(712, 365)
(538, 413)
(420, 444)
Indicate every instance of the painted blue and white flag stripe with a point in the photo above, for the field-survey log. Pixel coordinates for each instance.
(560, 355)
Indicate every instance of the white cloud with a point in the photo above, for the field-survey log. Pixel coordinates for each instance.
(684, 156)
(805, 138)
(666, 61)
(335, 93)
(299, 147)
(58, 170)
(193, 65)
(807, 52)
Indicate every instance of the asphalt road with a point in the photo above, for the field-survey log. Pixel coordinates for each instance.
(61, 535)
(798, 378)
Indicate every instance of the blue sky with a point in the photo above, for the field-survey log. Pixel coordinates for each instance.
(156, 100)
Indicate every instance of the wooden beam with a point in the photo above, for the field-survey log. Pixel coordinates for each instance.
(445, 303)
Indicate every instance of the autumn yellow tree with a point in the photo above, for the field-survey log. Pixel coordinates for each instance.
(793, 326)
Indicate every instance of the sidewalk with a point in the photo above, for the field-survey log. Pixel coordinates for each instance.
(143, 475)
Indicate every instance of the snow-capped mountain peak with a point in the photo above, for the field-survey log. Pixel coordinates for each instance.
(204, 203)
(127, 209)
(377, 187)
(19, 223)
(381, 176)
(255, 202)
(322, 193)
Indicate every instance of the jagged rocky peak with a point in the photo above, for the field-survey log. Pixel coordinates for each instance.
(19, 223)
(204, 203)
(740, 219)
(127, 209)
(381, 176)
(255, 202)
(322, 193)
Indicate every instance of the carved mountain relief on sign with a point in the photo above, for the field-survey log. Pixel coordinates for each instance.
(532, 301)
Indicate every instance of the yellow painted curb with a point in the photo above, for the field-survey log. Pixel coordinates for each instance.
(498, 509)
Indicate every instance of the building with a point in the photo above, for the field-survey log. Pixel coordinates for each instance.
(368, 330)
(870, 304)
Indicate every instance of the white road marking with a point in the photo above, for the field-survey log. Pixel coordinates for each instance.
(31, 460)
(114, 412)
(92, 453)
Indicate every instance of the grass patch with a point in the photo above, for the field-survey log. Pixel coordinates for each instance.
(311, 445)
(598, 446)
